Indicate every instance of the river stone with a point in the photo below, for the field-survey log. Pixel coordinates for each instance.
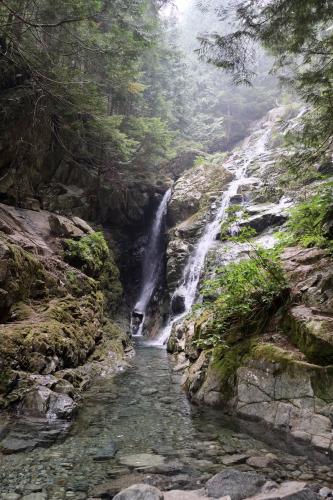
(140, 492)
(12, 444)
(185, 495)
(61, 406)
(325, 492)
(236, 458)
(260, 462)
(236, 484)
(141, 460)
(290, 490)
(35, 496)
(106, 453)
(148, 392)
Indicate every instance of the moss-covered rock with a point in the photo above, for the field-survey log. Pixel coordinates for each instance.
(92, 255)
(62, 336)
(312, 333)
(22, 276)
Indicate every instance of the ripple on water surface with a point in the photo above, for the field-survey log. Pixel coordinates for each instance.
(139, 426)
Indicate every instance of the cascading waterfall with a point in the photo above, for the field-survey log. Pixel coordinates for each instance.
(152, 263)
(192, 271)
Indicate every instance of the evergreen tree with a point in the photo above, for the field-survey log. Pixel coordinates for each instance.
(299, 34)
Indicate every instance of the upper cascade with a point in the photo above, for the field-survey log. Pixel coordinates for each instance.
(184, 296)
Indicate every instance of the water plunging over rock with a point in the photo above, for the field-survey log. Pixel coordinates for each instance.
(184, 296)
(151, 270)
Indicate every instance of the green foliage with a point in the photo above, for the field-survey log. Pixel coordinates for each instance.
(307, 224)
(88, 254)
(247, 292)
(152, 136)
(75, 76)
(234, 214)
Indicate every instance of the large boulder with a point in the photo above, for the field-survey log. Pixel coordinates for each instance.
(264, 216)
(234, 483)
(64, 228)
(290, 490)
(312, 332)
(177, 255)
(140, 492)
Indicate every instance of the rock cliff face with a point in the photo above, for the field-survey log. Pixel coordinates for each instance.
(282, 377)
(58, 285)
(192, 205)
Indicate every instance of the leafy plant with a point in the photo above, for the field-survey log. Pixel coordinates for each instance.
(234, 214)
(307, 224)
(248, 291)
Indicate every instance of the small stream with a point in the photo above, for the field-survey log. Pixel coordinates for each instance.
(161, 439)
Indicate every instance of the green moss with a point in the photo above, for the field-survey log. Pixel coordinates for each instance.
(114, 341)
(313, 338)
(68, 328)
(92, 255)
(4, 381)
(110, 284)
(272, 354)
(88, 254)
(20, 311)
(226, 361)
(322, 384)
(26, 276)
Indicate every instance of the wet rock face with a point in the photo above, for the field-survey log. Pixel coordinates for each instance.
(178, 304)
(286, 379)
(290, 402)
(52, 318)
(233, 483)
(283, 376)
(309, 322)
(194, 189)
(193, 202)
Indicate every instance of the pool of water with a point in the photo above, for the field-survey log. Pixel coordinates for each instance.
(139, 427)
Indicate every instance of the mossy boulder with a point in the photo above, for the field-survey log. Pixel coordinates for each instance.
(22, 276)
(92, 255)
(63, 336)
(312, 333)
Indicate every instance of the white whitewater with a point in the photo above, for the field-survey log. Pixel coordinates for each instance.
(252, 148)
(153, 260)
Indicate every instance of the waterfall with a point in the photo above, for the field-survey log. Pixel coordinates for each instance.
(252, 148)
(152, 263)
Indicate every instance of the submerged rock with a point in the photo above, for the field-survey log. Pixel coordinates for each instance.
(141, 460)
(12, 444)
(106, 453)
